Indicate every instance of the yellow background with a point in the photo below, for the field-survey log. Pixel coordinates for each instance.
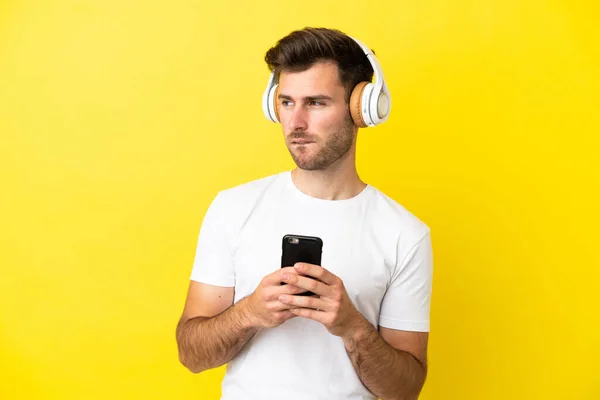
(120, 120)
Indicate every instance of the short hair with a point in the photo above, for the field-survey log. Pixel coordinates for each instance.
(301, 49)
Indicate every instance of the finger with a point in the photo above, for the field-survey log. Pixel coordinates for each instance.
(274, 278)
(286, 307)
(282, 316)
(307, 283)
(310, 313)
(289, 289)
(288, 315)
(278, 306)
(316, 271)
(272, 292)
(304, 302)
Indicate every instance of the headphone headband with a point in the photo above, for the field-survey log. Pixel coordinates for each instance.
(377, 70)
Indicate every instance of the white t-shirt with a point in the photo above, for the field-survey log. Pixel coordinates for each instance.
(380, 250)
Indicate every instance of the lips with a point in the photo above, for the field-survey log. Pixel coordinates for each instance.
(301, 140)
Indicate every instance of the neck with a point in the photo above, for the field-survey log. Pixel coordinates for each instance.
(339, 181)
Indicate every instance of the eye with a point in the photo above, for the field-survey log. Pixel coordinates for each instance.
(285, 102)
(316, 103)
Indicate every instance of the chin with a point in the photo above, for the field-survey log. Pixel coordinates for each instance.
(306, 161)
(309, 164)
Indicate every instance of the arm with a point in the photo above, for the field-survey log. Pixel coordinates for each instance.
(211, 330)
(393, 362)
(390, 363)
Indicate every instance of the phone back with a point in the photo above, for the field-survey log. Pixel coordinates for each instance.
(297, 248)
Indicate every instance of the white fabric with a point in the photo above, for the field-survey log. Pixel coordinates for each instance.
(381, 251)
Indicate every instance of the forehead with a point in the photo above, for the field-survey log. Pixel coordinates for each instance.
(320, 78)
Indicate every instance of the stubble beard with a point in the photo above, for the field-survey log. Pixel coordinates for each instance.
(337, 145)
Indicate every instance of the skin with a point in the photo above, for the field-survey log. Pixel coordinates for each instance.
(321, 138)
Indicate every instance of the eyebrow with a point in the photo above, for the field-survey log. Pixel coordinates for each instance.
(307, 98)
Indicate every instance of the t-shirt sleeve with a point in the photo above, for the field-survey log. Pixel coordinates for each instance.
(406, 303)
(213, 262)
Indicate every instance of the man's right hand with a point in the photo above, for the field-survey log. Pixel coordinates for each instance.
(263, 306)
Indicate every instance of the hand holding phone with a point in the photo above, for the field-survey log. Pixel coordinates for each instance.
(263, 306)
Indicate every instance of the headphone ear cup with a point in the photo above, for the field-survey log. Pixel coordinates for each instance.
(356, 100)
(276, 104)
(271, 104)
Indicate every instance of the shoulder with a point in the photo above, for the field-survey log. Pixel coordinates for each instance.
(238, 200)
(406, 234)
(245, 192)
(399, 221)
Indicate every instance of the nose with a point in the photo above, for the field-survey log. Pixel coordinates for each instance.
(298, 119)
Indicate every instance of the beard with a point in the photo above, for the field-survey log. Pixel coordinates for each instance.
(320, 155)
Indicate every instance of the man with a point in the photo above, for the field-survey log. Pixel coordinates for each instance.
(364, 333)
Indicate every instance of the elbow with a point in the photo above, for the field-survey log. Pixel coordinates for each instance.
(193, 367)
(188, 359)
(404, 396)
(412, 389)
(414, 396)
(185, 355)
(418, 387)
(195, 370)
(415, 390)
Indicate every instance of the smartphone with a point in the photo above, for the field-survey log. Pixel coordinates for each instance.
(298, 248)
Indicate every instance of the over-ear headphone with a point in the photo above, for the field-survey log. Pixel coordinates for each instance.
(370, 103)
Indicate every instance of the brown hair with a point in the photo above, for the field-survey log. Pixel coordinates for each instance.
(301, 49)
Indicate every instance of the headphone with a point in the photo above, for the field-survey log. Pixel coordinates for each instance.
(370, 103)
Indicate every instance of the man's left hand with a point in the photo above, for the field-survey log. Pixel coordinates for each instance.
(333, 307)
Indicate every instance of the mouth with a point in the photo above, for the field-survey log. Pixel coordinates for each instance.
(301, 142)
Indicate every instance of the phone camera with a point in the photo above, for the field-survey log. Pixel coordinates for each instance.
(293, 240)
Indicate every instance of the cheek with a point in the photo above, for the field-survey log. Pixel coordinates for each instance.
(337, 125)
(329, 121)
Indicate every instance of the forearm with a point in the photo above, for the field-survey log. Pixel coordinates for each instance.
(206, 343)
(387, 372)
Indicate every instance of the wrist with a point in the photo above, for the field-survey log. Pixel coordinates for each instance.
(357, 332)
(247, 317)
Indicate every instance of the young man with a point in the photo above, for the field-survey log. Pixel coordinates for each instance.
(364, 333)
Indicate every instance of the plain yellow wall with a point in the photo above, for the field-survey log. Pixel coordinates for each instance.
(120, 120)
